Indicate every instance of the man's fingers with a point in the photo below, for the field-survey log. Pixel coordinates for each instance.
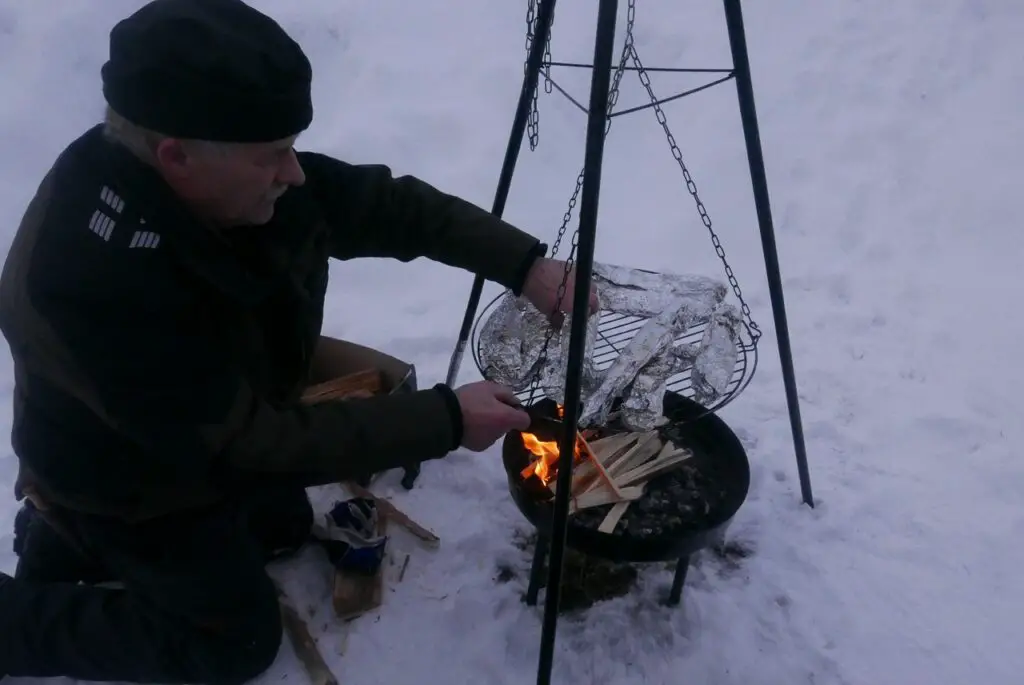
(504, 394)
(518, 419)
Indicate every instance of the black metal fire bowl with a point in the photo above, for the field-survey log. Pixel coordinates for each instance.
(718, 454)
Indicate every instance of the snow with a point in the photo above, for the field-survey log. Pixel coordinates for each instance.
(893, 141)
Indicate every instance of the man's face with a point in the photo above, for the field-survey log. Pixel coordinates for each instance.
(231, 185)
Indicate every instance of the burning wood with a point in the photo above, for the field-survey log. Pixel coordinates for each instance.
(610, 470)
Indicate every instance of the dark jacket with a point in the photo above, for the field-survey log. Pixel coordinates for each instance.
(155, 357)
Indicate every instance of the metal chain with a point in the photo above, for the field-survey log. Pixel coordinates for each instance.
(533, 118)
(645, 79)
(613, 97)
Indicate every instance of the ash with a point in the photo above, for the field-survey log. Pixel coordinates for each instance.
(674, 503)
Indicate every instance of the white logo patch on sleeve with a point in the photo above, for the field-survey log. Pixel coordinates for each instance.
(145, 239)
(101, 224)
(112, 199)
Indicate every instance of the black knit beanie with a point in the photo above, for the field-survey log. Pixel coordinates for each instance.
(208, 69)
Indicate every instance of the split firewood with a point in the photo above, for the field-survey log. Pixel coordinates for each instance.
(396, 515)
(611, 519)
(599, 497)
(589, 474)
(654, 468)
(611, 449)
(305, 646)
(595, 464)
(360, 384)
(606, 447)
(626, 451)
(646, 447)
(605, 459)
(584, 477)
(616, 470)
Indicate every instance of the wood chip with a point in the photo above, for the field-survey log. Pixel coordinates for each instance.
(405, 565)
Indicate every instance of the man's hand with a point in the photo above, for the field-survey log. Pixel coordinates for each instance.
(489, 411)
(541, 289)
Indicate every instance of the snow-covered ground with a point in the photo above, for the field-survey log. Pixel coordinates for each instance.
(893, 138)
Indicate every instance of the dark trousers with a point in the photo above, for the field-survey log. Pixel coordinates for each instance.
(197, 604)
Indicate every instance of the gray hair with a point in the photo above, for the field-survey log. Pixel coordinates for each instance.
(142, 142)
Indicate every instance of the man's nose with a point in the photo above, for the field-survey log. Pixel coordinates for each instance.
(291, 172)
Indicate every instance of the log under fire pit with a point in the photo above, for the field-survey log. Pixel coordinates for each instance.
(656, 496)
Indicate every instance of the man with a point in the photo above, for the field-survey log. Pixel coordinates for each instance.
(163, 300)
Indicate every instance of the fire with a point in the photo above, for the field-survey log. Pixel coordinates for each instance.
(546, 453)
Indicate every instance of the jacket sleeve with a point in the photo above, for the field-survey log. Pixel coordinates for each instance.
(374, 214)
(170, 387)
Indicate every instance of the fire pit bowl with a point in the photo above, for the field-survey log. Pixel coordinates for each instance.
(718, 457)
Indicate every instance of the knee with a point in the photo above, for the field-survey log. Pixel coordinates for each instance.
(251, 651)
(257, 654)
(245, 650)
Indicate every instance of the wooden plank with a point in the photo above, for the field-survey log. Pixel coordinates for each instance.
(305, 646)
(354, 594)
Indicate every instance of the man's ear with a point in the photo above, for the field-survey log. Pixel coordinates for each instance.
(172, 157)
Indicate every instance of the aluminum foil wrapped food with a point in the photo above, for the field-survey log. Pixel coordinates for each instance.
(512, 348)
(637, 292)
(650, 342)
(552, 377)
(511, 341)
(674, 304)
(642, 407)
(716, 355)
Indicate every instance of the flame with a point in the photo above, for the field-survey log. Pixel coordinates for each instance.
(546, 453)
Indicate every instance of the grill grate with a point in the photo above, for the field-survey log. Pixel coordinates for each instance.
(615, 332)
